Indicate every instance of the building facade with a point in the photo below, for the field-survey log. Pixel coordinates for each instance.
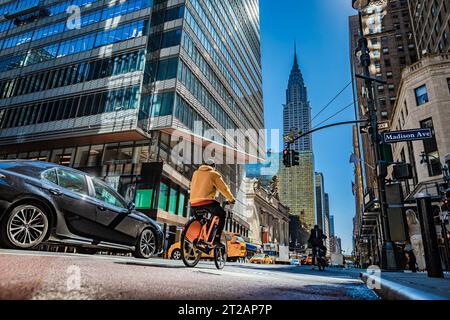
(431, 24)
(388, 28)
(267, 216)
(115, 87)
(320, 200)
(424, 101)
(332, 232)
(297, 189)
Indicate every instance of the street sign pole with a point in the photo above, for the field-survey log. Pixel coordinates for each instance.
(429, 236)
(388, 253)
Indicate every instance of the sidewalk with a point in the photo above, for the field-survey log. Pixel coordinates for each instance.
(408, 286)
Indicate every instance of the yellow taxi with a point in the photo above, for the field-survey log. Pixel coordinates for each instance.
(236, 248)
(262, 258)
(307, 260)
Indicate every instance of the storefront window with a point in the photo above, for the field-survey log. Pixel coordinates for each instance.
(81, 158)
(163, 195)
(111, 153)
(181, 204)
(125, 153)
(173, 201)
(95, 156)
(144, 198)
(56, 154)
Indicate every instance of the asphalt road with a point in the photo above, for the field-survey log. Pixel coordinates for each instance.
(42, 275)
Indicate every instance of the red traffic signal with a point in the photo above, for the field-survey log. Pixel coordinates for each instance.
(287, 158)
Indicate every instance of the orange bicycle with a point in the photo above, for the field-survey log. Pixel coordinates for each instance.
(198, 238)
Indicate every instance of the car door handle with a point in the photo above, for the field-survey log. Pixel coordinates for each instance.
(101, 208)
(56, 192)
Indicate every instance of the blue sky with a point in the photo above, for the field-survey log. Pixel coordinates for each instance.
(320, 28)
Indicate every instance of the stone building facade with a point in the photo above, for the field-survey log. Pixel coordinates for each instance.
(267, 217)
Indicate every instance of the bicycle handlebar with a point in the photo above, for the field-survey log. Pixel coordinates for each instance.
(225, 203)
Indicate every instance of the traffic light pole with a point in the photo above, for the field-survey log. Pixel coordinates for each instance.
(290, 157)
(388, 253)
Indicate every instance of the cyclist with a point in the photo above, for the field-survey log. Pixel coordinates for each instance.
(316, 241)
(206, 182)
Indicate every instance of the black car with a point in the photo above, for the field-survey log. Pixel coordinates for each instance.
(44, 202)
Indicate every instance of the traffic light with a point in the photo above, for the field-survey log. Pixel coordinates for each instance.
(287, 158)
(291, 158)
(295, 158)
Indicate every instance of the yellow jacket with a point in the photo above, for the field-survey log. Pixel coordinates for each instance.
(205, 184)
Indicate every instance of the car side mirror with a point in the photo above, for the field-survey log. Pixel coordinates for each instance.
(131, 206)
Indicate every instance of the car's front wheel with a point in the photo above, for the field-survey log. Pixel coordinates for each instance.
(146, 245)
(176, 254)
(25, 227)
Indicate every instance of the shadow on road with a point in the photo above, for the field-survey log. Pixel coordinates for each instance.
(304, 270)
(143, 264)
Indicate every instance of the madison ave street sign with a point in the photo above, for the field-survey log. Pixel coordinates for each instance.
(407, 135)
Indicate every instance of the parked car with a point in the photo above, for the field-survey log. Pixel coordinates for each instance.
(295, 262)
(235, 243)
(44, 202)
(262, 258)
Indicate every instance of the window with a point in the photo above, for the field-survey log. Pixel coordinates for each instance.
(50, 176)
(448, 83)
(421, 95)
(107, 195)
(171, 38)
(163, 104)
(181, 204)
(163, 196)
(173, 201)
(431, 150)
(72, 181)
(144, 198)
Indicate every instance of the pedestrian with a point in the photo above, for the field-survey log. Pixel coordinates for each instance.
(315, 240)
(412, 261)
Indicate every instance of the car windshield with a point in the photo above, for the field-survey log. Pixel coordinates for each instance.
(258, 256)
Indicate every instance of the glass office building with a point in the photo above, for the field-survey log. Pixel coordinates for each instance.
(103, 85)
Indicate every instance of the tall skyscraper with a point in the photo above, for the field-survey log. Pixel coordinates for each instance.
(104, 91)
(431, 25)
(297, 110)
(332, 226)
(320, 199)
(297, 183)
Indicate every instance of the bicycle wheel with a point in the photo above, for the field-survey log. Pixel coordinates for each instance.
(189, 253)
(220, 255)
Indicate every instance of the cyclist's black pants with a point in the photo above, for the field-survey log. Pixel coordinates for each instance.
(316, 253)
(216, 209)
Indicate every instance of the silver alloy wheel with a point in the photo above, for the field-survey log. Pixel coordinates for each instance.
(27, 226)
(148, 243)
(176, 254)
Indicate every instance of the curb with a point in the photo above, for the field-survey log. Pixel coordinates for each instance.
(389, 290)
